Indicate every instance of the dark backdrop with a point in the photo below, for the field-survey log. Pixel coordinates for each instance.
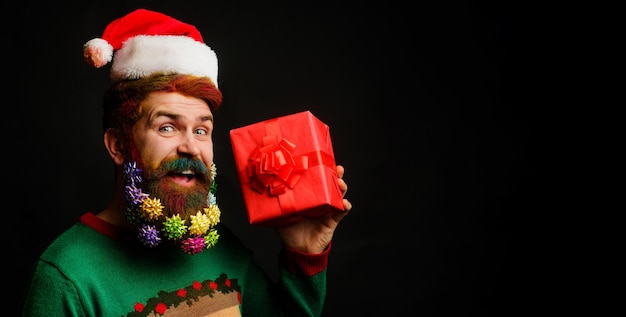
(428, 110)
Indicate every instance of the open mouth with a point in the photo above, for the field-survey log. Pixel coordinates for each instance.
(185, 178)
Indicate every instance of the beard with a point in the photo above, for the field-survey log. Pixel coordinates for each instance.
(176, 199)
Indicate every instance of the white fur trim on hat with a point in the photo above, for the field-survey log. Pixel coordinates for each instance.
(142, 55)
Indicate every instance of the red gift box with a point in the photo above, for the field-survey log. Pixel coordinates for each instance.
(286, 169)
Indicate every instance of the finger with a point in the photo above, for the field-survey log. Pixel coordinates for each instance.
(340, 171)
(347, 205)
(343, 186)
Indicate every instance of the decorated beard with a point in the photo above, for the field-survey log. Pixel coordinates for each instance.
(164, 210)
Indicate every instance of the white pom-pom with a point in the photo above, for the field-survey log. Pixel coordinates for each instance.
(97, 52)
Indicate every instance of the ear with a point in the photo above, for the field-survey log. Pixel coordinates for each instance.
(114, 143)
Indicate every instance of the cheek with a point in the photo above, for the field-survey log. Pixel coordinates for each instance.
(207, 156)
(152, 154)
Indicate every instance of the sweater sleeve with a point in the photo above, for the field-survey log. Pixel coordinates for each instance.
(300, 289)
(302, 281)
(303, 263)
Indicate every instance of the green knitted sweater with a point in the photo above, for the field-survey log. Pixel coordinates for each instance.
(96, 269)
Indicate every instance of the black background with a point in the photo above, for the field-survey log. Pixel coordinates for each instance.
(429, 110)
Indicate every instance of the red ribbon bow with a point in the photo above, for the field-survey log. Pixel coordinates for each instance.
(272, 166)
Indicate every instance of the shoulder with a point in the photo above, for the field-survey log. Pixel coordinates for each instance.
(77, 242)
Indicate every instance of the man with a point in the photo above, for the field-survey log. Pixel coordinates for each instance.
(158, 248)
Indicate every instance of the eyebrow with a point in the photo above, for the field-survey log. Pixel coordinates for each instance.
(174, 116)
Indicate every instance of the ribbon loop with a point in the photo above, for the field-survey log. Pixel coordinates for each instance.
(272, 167)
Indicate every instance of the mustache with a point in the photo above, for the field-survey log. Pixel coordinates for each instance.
(180, 165)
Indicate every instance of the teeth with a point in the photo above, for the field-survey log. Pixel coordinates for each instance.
(187, 172)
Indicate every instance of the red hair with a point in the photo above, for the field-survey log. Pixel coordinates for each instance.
(121, 101)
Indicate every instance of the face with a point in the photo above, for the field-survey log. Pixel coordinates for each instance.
(173, 138)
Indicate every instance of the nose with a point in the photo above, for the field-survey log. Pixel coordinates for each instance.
(189, 145)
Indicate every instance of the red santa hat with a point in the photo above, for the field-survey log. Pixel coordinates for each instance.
(144, 42)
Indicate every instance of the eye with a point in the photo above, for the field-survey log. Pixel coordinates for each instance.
(166, 128)
(201, 131)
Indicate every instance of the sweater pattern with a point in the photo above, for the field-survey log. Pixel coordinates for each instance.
(222, 295)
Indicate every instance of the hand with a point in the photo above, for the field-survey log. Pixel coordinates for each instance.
(313, 235)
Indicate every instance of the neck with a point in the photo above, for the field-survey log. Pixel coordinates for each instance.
(114, 212)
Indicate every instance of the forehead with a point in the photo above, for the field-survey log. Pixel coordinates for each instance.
(175, 102)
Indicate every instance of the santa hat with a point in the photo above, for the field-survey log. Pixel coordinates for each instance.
(144, 42)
